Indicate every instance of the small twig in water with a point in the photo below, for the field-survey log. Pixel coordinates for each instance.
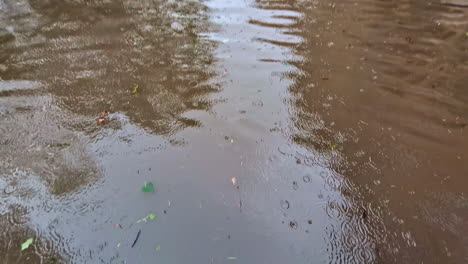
(136, 239)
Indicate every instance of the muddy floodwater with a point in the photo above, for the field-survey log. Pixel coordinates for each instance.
(273, 131)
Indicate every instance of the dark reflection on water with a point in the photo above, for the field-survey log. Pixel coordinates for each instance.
(381, 91)
(92, 55)
(353, 229)
(61, 64)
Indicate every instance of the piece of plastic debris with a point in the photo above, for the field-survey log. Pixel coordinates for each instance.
(117, 226)
(135, 89)
(231, 258)
(27, 243)
(232, 140)
(136, 238)
(151, 217)
(234, 180)
(225, 40)
(148, 187)
(158, 247)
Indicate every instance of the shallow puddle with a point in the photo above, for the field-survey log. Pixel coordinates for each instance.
(272, 131)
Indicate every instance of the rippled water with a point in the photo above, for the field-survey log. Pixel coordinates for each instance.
(274, 131)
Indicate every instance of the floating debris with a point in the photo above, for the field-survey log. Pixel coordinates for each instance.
(27, 243)
(148, 187)
(293, 224)
(145, 219)
(136, 238)
(103, 117)
(152, 217)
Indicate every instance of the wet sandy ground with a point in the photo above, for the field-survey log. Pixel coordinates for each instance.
(344, 125)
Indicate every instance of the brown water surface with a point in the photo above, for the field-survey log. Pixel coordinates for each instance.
(274, 131)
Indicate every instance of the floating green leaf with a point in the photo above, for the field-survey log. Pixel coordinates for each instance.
(151, 217)
(26, 244)
(148, 187)
(118, 245)
(145, 219)
(135, 90)
(158, 247)
(231, 258)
